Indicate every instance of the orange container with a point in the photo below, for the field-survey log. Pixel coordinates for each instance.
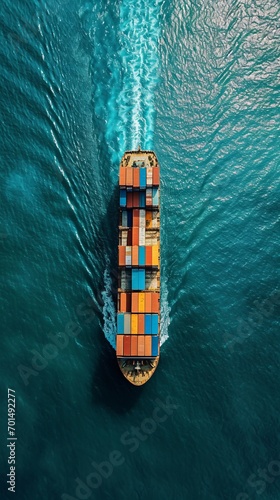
(148, 302)
(134, 345)
(121, 256)
(134, 324)
(129, 200)
(141, 307)
(148, 345)
(135, 236)
(123, 302)
(135, 255)
(141, 345)
(149, 217)
(119, 345)
(126, 345)
(122, 176)
(134, 302)
(135, 217)
(136, 199)
(141, 324)
(136, 176)
(148, 255)
(155, 302)
(129, 176)
(156, 176)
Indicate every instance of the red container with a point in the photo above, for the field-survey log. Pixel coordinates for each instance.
(134, 302)
(119, 345)
(129, 176)
(141, 324)
(121, 256)
(126, 345)
(135, 217)
(136, 176)
(129, 199)
(129, 237)
(122, 176)
(135, 236)
(148, 302)
(155, 176)
(134, 345)
(148, 255)
(135, 255)
(148, 345)
(155, 302)
(136, 199)
(141, 345)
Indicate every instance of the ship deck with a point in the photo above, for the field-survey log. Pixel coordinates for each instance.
(141, 376)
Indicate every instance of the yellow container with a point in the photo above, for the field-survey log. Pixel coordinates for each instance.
(141, 302)
(134, 323)
(155, 255)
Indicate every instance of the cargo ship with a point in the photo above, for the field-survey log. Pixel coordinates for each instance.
(138, 300)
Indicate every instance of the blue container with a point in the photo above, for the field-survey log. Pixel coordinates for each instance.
(154, 345)
(142, 178)
(142, 200)
(155, 196)
(154, 324)
(122, 197)
(120, 323)
(135, 279)
(148, 324)
(141, 256)
(141, 278)
(129, 218)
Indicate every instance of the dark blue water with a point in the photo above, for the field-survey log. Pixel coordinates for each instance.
(199, 83)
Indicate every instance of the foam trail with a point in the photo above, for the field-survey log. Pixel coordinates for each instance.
(164, 313)
(109, 311)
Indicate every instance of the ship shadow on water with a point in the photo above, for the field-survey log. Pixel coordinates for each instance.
(109, 387)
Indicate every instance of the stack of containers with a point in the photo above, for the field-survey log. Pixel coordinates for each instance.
(138, 308)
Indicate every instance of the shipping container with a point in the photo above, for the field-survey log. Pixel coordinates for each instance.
(129, 176)
(141, 279)
(129, 237)
(122, 197)
(148, 302)
(142, 236)
(128, 255)
(141, 324)
(124, 218)
(134, 324)
(155, 302)
(155, 197)
(135, 236)
(129, 218)
(142, 199)
(134, 345)
(136, 199)
(149, 197)
(149, 176)
(155, 255)
(154, 218)
(156, 176)
(142, 172)
(135, 217)
(125, 279)
(141, 307)
(154, 324)
(136, 177)
(135, 255)
(141, 345)
(123, 302)
(148, 255)
(141, 256)
(126, 345)
(120, 323)
(122, 176)
(129, 201)
(142, 218)
(135, 279)
(127, 323)
(148, 345)
(149, 217)
(119, 345)
(121, 256)
(148, 324)
(155, 345)
(134, 302)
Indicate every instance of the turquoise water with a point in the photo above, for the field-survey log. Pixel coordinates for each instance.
(199, 83)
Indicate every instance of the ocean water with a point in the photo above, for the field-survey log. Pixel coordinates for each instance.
(199, 82)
